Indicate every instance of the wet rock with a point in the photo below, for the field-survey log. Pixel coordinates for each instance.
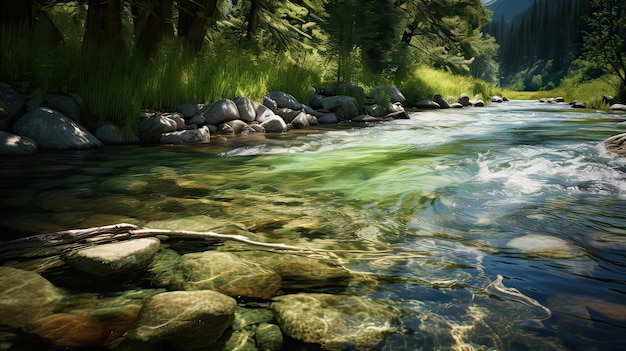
(70, 330)
(220, 111)
(53, 130)
(578, 104)
(269, 337)
(65, 104)
(345, 107)
(337, 322)
(246, 109)
(456, 105)
(375, 110)
(302, 121)
(13, 104)
(124, 185)
(110, 134)
(228, 274)
(477, 103)
(315, 99)
(189, 136)
(287, 114)
(178, 118)
(284, 100)
(274, 124)
(25, 296)
(198, 120)
(390, 93)
(497, 99)
(426, 104)
(616, 144)
(11, 144)
(247, 318)
(327, 118)
(235, 127)
(189, 320)
(262, 112)
(543, 246)
(464, 100)
(115, 258)
(439, 100)
(188, 110)
(617, 107)
(151, 129)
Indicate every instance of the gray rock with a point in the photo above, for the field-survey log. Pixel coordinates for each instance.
(578, 104)
(327, 118)
(375, 110)
(220, 111)
(228, 274)
(178, 118)
(336, 322)
(456, 105)
(497, 99)
(345, 107)
(189, 136)
(426, 105)
(617, 107)
(263, 112)
(270, 103)
(53, 130)
(25, 296)
(274, 124)
(315, 99)
(464, 100)
(189, 320)
(11, 144)
(111, 134)
(269, 337)
(437, 98)
(67, 105)
(288, 114)
(246, 109)
(198, 120)
(284, 100)
(390, 93)
(152, 128)
(188, 110)
(235, 127)
(616, 144)
(477, 103)
(114, 258)
(301, 121)
(12, 105)
(342, 89)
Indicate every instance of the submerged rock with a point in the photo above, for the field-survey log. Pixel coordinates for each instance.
(616, 144)
(25, 296)
(543, 246)
(189, 320)
(228, 274)
(115, 258)
(337, 322)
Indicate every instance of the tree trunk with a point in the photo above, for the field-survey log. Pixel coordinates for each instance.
(155, 27)
(252, 19)
(104, 26)
(197, 27)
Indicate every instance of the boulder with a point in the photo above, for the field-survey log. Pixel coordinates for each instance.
(66, 104)
(235, 127)
(464, 100)
(188, 110)
(388, 94)
(345, 107)
(262, 112)
(269, 337)
(114, 258)
(152, 128)
(246, 109)
(301, 121)
(197, 120)
(497, 99)
(189, 136)
(456, 105)
(477, 103)
(53, 130)
(111, 134)
(220, 111)
(315, 99)
(538, 245)
(337, 322)
(12, 105)
(505, 99)
(178, 118)
(426, 105)
(375, 110)
(616, 144)
(559, 99)
(71, 331)
(228, 274)
(578, 104)
(617, 107)
(327, 118)
(274, 124)
(270, 103)
(11, 144)
(288, 114)
(342, 89)
(284, 100)
(25, 296)
(438, 99)
(189, 320)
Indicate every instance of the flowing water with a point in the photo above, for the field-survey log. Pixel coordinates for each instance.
(501, 227)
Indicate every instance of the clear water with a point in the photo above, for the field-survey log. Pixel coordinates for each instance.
(500, 228)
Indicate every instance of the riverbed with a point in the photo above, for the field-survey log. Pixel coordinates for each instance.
(514, 214)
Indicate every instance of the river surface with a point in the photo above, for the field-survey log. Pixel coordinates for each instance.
(503, 227)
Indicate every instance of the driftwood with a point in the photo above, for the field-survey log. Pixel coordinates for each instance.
(125, 231)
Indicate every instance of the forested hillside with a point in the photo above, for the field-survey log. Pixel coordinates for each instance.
(538, 46)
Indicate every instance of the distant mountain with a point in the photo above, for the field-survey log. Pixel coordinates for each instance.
(507, 8)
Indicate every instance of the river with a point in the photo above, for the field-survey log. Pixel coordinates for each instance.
(517, 213)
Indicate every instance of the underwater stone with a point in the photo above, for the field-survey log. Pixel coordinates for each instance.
(269, 337)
